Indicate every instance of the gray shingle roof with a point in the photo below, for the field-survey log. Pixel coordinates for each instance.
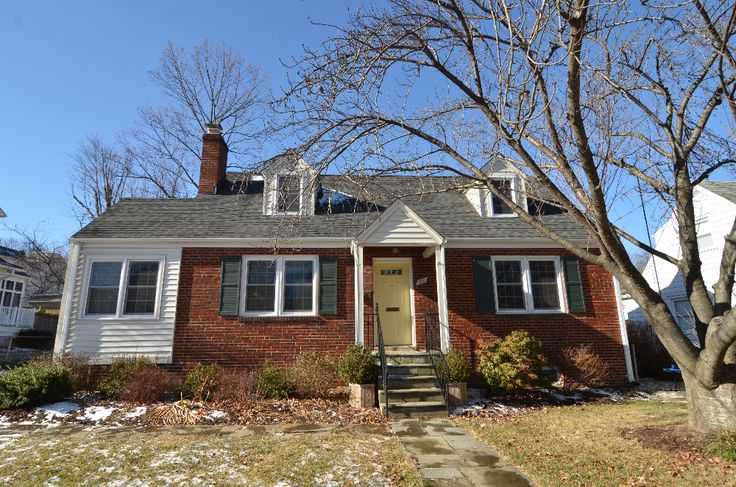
(725, 189)
(436, 199)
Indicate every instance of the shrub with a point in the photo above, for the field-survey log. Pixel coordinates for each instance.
(34, 383)
(313, 374)
(356, 366)
(458, 364)
(118, 371)
(148, 385)
(583, 367)
(274, 382)
(235, 385)
(200, 382)
(513, 363)
(80, 367)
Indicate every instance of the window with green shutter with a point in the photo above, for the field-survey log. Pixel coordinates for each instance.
(230, 286)
(573, 285)
(328, 285)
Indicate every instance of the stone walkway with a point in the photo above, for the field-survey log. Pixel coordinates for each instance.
(447, 455)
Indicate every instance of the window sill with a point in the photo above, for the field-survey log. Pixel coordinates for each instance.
(152, 317)
(531, 312)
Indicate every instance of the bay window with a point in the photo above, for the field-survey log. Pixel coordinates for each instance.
(122, 288)
(527, 284)
(276, 286)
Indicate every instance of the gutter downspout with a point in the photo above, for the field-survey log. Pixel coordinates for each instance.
(624, 332)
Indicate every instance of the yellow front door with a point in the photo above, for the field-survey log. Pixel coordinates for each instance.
(391, 294)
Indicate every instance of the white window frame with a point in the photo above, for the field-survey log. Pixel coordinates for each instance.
(514, 197)
(277, 193)
(701, 233)
(280, 261)
(122, 289)
(526, 281)
(12, 292)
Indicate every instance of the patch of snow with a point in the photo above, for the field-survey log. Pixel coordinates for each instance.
(136, 413)
(4, 420)
(565, 398)
(56, 410)
(478, 404)
(215, 415)
(97, 413)
(8, 439)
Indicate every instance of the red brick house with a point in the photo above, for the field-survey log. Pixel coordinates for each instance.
(258, 267)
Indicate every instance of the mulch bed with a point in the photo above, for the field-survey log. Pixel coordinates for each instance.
(91, 409)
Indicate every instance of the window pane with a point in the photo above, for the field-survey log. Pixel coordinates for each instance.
(102, 297)
(298, 298)
(7, 297)
(298, 272)
(19, 286)
(102, 300)
(260, 293)
(543, 274)
(298, 285)
(499, 207)
(16, 301)
(105, 274)
(9, 285)
(288, 194)
(140, 294)
(509, 287)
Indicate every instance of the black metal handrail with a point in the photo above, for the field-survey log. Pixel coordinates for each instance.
(382, 358)
(436, 356)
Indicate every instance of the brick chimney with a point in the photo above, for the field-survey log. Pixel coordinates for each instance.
(214, 159)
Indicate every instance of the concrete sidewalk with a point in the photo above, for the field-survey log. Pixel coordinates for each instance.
(447, 455)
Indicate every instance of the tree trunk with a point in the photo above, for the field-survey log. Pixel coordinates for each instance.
(710, 410)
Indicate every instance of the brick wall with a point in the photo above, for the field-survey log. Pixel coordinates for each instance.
(598, 326)
(202, 335)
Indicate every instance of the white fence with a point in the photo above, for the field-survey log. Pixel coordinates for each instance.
(17, 317)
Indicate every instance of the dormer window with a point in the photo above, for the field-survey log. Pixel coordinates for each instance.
(288, 194)
(498, 207)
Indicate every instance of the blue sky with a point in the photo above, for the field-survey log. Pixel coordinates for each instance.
(77, 68)
(74, 68)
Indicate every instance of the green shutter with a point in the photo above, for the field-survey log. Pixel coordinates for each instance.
(485, 301)
(230, 286)
(328, 285)
(573, 285)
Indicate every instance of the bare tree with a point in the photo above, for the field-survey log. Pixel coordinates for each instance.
(210, 84)
(596, 102)
(99, 177)
(44, 258)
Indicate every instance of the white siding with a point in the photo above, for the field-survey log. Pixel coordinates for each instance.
(106, 338)
(399, 229)
(720, 214)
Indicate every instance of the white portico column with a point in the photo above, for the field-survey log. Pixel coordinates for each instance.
(441, 277)
(358, 301)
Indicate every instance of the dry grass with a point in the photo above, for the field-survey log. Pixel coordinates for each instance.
(201, 456)
(631, 444)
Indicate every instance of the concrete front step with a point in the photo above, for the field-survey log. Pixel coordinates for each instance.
(411, 381)
(416, 409)
(406, 358)
(410, 369)
(419, 394)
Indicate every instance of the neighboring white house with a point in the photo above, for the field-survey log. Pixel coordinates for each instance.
(14, 313)
(715, 211)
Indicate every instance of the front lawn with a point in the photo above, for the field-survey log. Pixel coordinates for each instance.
(631, 443)
(212, 455)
